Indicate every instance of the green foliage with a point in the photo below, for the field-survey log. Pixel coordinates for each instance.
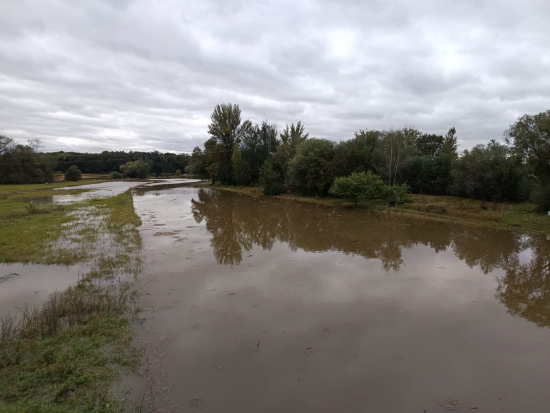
(394, 149)
(357, 154)
(541, 196)
(178, 172)
(311, 171)
(257, 144)
(23, 163)
(73, 174)
(489, 172)
(241, 169)
(365, 186)
(530, 137)
(137, 169)
(197, 165)
(396, 194)
(291, 137)
(115, 175)
(428, 175)
(271, 180)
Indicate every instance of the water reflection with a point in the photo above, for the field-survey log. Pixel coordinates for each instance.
(237, 223)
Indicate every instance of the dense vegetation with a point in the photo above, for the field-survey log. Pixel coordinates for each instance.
(405, 159)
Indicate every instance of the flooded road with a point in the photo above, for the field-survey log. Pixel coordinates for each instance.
(281, 306)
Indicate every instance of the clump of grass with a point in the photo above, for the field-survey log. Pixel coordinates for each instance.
(64, 356)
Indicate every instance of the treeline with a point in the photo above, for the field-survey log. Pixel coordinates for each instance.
(110, 161)
(24, 163)
(517, 169)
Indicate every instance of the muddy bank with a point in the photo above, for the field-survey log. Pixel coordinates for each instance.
(273, 305)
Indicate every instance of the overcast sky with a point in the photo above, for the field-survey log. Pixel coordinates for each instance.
(95, 75)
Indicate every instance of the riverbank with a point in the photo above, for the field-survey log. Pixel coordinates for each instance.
(65, 355)
(521, 216)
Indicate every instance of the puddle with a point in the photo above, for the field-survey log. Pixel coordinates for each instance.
(22, 284)
(275, 305)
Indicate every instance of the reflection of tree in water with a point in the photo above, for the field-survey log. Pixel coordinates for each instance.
(238, 222)
(525, 289)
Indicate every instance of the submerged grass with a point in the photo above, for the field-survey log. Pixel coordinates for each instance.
(519, 216)
(66, 355)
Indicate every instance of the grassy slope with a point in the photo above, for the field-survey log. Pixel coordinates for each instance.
(521, 216)
(65, 356)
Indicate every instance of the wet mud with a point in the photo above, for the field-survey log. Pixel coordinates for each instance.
(266, 305)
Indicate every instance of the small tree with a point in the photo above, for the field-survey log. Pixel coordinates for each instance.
(73, 174)
(358, 186)
(115, 175)
(271, 180)
(178, 172)
(137, 169)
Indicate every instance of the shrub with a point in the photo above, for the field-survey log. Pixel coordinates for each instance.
(137, 169)
(358, 186)
(115, 175)
(73, 174)
(397, 194)
(271, 180)
(178, 172)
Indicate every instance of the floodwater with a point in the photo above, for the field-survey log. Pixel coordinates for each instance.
(281, 306)
(30, 285)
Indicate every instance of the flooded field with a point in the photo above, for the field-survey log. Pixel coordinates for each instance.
(280, 306)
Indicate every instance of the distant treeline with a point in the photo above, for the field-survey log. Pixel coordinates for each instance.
(25, 163)
(516, 169)
(106, 161)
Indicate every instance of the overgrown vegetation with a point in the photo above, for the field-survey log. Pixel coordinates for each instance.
(64, 356)
(514, 171)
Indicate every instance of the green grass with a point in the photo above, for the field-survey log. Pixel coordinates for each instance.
(65, 356)
(27, 228)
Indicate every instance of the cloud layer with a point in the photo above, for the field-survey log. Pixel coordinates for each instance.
(145, 74)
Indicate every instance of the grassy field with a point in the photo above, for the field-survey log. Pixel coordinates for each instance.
(65, 356)
(26, 227)
(519, 216)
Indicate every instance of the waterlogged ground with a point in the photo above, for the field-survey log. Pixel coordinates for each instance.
(264, 305)
(84, 238)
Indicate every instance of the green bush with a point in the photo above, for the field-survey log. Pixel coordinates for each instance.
(115, 175)
(73, 174)
(136, 169)
(358, 186)
(178, 172)
(271, 180)
(397, 194)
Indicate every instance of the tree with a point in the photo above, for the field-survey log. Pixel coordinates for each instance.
(450, 144)
(530, 139)
(311, 170)
(489, 172)
(393, 152)
(241, 170)
(291, 137)
(429, 145)
(197, 165)
(138, 169)
(430, 176)
(358, 186)
(271, 180)
(223, 129)
(73, 174)
(356, 155)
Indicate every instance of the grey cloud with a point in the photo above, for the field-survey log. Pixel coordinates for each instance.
(145, 74)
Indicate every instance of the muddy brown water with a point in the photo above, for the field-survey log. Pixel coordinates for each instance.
(281, 306)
